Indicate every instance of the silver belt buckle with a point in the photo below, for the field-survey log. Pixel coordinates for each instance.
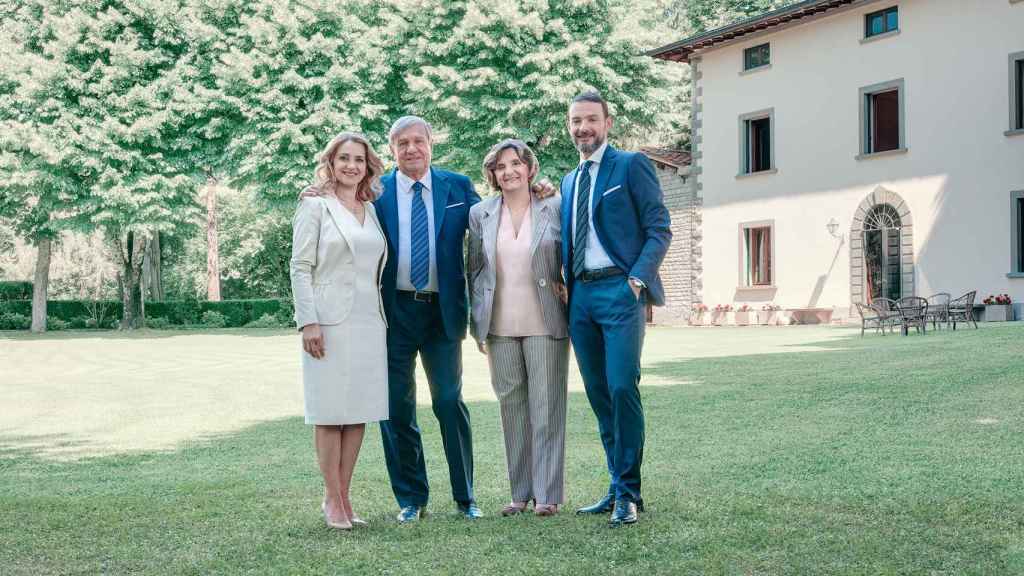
(422, 296)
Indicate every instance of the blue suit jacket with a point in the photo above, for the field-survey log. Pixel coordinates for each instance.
(453, 196)
(630, 218)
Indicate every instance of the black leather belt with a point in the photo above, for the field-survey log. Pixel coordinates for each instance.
(419, 296)
(600, 274)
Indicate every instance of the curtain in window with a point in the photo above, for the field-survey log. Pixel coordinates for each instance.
(758, 256)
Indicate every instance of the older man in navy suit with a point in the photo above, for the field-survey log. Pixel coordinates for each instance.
(616, 233)
(424, 211)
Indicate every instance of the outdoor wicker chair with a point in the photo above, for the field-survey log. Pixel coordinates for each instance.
(886, 309)
(870, 317)
(913, 312)
(938, 309)
(962, 310)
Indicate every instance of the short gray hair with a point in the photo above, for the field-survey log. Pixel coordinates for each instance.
(406, 122)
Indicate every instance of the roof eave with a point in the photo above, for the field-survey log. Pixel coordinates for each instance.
(682, 50)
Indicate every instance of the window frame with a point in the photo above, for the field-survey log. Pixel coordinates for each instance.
(744, 273)
(745, 158)
(762, 66)
(1016, 234)
(884, 13)
(1016, 93)
(865, 127)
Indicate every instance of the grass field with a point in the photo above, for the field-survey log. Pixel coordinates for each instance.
(770, 451)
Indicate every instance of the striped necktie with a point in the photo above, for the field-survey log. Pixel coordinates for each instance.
(582, 220)
(419, 269)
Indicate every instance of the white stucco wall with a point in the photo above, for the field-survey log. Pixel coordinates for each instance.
(956, 177)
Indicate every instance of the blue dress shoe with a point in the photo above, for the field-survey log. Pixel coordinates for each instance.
(602, 506)
(624, 513)
(470, 510)
(409, 514)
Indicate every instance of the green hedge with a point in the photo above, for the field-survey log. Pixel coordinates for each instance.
(11, 290)
(236, 313)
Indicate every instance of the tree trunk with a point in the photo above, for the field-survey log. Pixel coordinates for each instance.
(132, 255)
(40, 285)
(212, 253)
(152, 270)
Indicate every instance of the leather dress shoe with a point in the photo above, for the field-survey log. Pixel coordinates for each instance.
(602, 506)
(409, 514)
(470, 510)
(624, 513)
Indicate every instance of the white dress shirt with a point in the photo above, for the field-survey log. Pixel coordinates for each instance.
(404, 190)
(595, 256)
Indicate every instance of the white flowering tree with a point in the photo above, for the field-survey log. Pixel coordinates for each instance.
(484, 70)
(278, 80)
(44, 174)
(94, 121)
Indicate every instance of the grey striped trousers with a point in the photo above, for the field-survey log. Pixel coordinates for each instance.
(530, 377)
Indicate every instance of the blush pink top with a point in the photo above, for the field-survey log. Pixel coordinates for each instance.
(516, 310)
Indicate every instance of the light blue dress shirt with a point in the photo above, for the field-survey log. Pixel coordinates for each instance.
(404, 190)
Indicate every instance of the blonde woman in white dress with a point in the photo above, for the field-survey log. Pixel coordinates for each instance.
(338, 254)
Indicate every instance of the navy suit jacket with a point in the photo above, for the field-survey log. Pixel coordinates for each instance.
(453, 196)
(630, 218)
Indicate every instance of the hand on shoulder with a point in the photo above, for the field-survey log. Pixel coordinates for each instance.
(312, 191)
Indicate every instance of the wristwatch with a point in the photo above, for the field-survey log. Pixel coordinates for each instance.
(637, 282)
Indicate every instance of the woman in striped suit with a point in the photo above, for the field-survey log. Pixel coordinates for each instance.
(519, 321)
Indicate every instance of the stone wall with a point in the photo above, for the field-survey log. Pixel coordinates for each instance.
(678, 270)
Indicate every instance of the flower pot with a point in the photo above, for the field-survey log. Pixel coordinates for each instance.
(767, 318)
(998, 312)
(697, 319)
(743, 317)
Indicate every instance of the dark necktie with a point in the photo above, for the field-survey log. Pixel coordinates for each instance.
(419, 268)
(582, 220)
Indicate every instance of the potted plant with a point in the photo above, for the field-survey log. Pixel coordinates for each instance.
(743, 314)
(722, 315)
(998, 308)
(769, 315)
(698, 317)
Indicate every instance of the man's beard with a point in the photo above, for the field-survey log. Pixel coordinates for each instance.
(590, 148)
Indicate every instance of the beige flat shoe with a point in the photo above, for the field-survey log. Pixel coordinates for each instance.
(332, 524)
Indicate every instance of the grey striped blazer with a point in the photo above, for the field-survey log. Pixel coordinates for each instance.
(546, 262)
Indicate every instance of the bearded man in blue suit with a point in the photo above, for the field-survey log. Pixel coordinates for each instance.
(616, 233)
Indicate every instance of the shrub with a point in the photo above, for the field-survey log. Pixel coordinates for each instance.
(23, 307)
(266, 321)
(214, 319)
(14, 321)
(286, 314)
(175, 311)
(15, 290)
(79, 322)
(158, 323)
(233, 311)
(53, 323)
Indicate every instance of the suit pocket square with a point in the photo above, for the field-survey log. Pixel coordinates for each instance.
(610, 190)
(454, 205)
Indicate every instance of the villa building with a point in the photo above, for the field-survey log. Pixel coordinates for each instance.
(846, 150)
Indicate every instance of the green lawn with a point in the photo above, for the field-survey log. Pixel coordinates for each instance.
(770, 451)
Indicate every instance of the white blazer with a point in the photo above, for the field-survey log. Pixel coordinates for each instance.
(323, 262)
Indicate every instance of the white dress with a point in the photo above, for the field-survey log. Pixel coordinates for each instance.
(349, 385)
